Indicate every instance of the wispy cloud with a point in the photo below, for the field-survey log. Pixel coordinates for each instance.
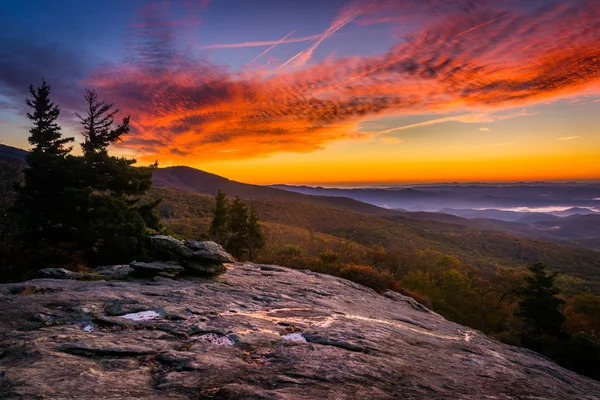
(344, 18)
(181, 102)
(568, 138)
(272, 46)
(485, 129)
(466, 118)
(259, 43)
(390, 140)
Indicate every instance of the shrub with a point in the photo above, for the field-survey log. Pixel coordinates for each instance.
(329, 257)
(291, 250)
(365, 275)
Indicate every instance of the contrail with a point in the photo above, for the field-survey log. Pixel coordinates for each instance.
(484, 24)
(336, 26)
(272, 46)
(258, 43)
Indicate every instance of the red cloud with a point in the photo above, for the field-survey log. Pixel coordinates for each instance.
(184, 109)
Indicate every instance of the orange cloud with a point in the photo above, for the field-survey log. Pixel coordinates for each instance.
(186, 109)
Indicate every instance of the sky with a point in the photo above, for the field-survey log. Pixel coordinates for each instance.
(322, 92)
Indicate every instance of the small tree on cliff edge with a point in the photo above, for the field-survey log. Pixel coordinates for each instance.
(116, 224)
(256, 238)
(218, 226)
(539, 307)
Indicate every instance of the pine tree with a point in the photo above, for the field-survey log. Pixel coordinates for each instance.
(539, 307)
(45, 135)
(256, 238)
(116, 225)
(218, 225)
(237, 226)
(43, 202)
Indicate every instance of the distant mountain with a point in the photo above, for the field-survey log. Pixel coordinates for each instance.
(9, 153)
(473, 196)
(200, 182)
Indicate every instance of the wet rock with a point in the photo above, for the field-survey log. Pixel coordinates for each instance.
(167, 268)
(59, 273)
(247, 336)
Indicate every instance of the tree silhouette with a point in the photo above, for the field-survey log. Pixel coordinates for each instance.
(98, 125)
(237, 244)
(44, 202)
(256, 238)
(45, 135)
(539, 307)
(115, 224)
(218, 226)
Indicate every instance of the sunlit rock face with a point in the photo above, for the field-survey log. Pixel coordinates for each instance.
(256, 332)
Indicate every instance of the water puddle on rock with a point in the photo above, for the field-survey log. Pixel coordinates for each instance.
(142, 316)
(294, 337)
(215, 339)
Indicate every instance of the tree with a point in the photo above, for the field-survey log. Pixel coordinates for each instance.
(98, 125)
(539, 307)
(45, 135)
(43, 202)
(218, 225)
(237, 226)
(115, 225)
(256, 238)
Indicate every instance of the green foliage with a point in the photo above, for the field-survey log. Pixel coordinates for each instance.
(291, 250)
(329, 257)
(256, 238)
(539, 306)
(80, 209)
(237, 243)
(235, 228)
(41, 209)
(583, 315)
(115, 224)
(218, 226)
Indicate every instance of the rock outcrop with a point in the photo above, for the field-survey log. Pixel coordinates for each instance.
(197, 257)
(258, 332)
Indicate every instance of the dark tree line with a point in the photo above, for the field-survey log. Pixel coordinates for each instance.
(235, 228)
(78, 209)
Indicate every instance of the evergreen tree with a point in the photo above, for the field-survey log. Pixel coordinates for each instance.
(256, 238)
(45, 135)
(539, 307)
(43, 202)
(115, 224)
(218, 226)
(237, 226)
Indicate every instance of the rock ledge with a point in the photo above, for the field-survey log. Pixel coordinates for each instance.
(258, 332)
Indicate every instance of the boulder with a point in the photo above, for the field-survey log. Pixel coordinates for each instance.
(59, 273)
(196, 257)
(168, 248)
(209, 251)
(167, 268)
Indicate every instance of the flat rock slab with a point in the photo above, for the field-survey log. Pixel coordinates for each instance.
(167, 268)
(243, 335)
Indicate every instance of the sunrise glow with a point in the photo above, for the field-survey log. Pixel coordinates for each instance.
(340, 92)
